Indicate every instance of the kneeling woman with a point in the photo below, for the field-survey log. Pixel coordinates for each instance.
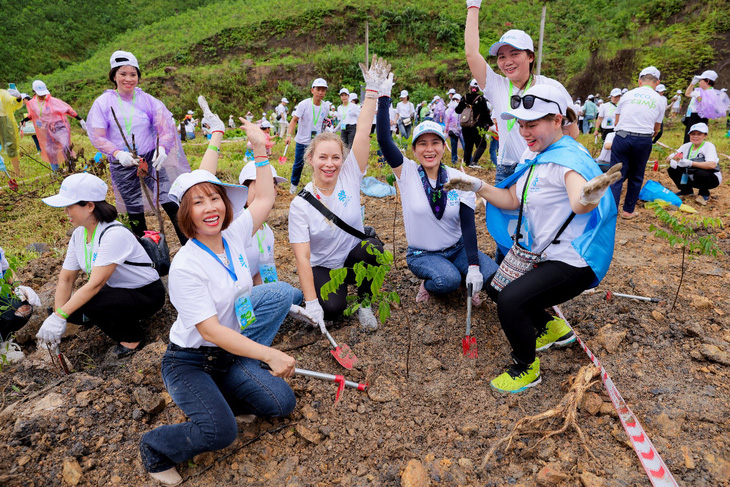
(569, 223)
(225, 325)
(123, 288)
(696, 165)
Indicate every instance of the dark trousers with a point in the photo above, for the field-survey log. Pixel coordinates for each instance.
(118, 312)
(702, 179)
(521, 304)
(634, 153)
(337, 302)
(659, 134)
(35, 141)
(14, 314)
(348, 135)
(691, 120)
(473, 139)
(605, 132)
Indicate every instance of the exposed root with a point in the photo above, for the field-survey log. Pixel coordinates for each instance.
(567, 409)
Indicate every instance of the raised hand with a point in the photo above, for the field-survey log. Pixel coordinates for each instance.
(592, 192)
(376, 74)
(211, 119)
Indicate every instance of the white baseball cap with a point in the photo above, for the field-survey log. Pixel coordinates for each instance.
(78, 187)
(624, 91)
(248, 173)
(457, 97)
(590, 97)
(451, 91)
(428, 127)
(661, 88)
(404, 94)
(344, 91)
(699, 127)
(284, 100)
(265, 124)
(616, 92)
(473, 82)
(549, 101)
(679, 92)
(651, 71)
(709, 74)
(436, 98)
(237, 194)
(353, 96)
(39, 87)
(123, 58)
(319, 83)
(515, 38)
(190, 112)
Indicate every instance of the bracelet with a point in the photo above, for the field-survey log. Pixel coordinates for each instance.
(212, 147)
(263, 163)
(218, 132)
(63, 315)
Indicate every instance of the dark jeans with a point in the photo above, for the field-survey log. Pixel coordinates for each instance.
(691, 120)
(14, 317)
(337, 302)
(521, 304)
(634, 153)
(296, 170)
(702, 179)
(472, 139)
(454, 139)
(605, 132)
(35, 140)
(493, 150)
(348, 135)
(118, 312)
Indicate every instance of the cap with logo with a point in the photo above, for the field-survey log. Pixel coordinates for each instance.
(237, 194)
(78, 187)
(515, 38)
(699, 127)
(319, 83)
(428, 127)
(39, 87)
(616, 92)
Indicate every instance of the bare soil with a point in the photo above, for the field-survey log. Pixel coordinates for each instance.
(426, 401)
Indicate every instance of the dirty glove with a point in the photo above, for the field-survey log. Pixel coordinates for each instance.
(52, 329)
(376, 74)
(27, 294)
(158, 161)
(464, 183)
(300, 314)
(475, 278)
(14, 93)
(82, 122)
(126, 159)
(387, 87)
(473, 3)
(592, 192)
(210, 118)
(316, 313)
(684, 163)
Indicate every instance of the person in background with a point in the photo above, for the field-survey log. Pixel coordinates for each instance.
(607, 115)
(696, 165)
(231, 122)
(282, 113)
(16, 308)
(473, 136)
(453, 129)
(590, 110)
(29, 129)
(704, 83)
(661, 89)
(405, 115)
(10, 101)
(346, 126)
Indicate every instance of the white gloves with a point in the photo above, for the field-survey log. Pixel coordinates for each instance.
(83, 124)
(695, 80)
(315, 311)
(475, 278)
(684, 163)
(52, 329)
(210, 118)
(27, 294)
(376, 74)
(300, 314)
(125, 159)
(14, 93)
(473, 3)
(464, 183)
(387, 87)
(158, 161)
(592, 192)
(673, 163)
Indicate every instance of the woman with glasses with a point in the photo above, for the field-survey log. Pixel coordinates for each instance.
(568, 224)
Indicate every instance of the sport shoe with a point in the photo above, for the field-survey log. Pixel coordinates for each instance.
(368, 322)
(684, 192)
(422, 295)
(556, 333)
(516, 379)
(167, 477)
(293, 188)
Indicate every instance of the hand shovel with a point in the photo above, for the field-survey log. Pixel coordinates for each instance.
(282, 159)
(337, 379)
(341, 353)
(469, 343)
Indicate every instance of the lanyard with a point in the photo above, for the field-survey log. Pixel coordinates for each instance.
(511, 123)
(527, 184)
(128, 121)
(89, 252)
(316, 119)
(231, 270)
(347, 110)
(260, 240)
(41, 107)
(611, 112)
(696, 153)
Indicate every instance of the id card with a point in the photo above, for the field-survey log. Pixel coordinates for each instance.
(39, 124)
(314, 133)
(268, 273)
(244, 309)
(685, 178)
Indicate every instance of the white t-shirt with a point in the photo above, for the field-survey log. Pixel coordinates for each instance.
(707, 149)
(3, 262)
(676, 102)
(497, 90)
(423, 230)
(329, 245)
(347, 114)
(282, 110)
(118, 245)
(405, 110)
(200, 287)
(640, 109)
(608, 112)
(547, 207)
(311, 119)
(605, 155)
(260, 248)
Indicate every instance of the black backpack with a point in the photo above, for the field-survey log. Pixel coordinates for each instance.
(158, 251)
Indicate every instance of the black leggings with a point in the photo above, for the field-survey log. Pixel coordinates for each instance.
(521, 304)
(472, 139)
(118, 312)
(702, 179)
(337, 302)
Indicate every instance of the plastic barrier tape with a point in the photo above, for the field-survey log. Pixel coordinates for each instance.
(656, 469)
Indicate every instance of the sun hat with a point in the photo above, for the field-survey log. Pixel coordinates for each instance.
(428, 127)
(236, 193)
(284, 100)
(709, 74)
(616, 92)
(651, 71)
(515, 38)
(39, 87)
(319, 83)
(699, 127)
(78, 187)
(661, 88)
(404, 94)
(343, 91)
(123, 58)
(248, 173)
(540, 107)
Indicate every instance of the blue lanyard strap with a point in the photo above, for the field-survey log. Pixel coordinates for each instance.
(230, 269)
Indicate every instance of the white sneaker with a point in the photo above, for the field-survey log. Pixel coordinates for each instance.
(12, 352)
(293, 189)
(168, 477)
(368, 322)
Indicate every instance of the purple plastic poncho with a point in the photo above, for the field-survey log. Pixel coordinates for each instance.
(452, 122)
(146, 117)
(712, 103)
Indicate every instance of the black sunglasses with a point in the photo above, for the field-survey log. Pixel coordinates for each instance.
(528, 101)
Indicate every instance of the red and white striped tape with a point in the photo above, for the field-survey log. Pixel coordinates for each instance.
(656, 469)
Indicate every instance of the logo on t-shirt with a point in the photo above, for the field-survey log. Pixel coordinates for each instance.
(342, 196)
(242, 261)
(453, 197)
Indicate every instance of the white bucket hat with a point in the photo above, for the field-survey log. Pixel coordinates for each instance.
(248, 173)
(78, 187)
(428, 127)
(515, 38)
(548, 100)
(237, 194)
(123, 58)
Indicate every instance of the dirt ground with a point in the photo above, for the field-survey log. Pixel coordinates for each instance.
(427, 404)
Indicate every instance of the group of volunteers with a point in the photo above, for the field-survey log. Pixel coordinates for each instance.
(549, 211)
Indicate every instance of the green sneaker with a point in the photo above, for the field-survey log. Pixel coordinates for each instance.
(516, 380)
(556, 332)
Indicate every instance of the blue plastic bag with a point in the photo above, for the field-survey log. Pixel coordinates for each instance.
(655, 191)
(372, 187)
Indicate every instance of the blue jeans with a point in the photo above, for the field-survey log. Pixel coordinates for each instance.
(503, 172)
(405, 130)
(587, 123)
(493, 149)
(443, 271)
(454, 148)
(212, 386)
(296, 170)
(634, 153)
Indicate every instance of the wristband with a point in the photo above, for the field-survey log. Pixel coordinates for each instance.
(263, 163)
(212, 147)
(60, 313)
(218, 131)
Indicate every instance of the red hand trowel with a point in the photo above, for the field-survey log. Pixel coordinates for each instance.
(341, 353)
(282, 159)
(469, 343)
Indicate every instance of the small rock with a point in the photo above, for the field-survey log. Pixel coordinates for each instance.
(607, 409)
(137, 414)
(151, 402)
(414, 475)
(383, 391)
(591, 403)
(701, 302)
(693, 329)
(590, 480)
(466, 463)
(550, 474)
(468, 429)
(546, 450)
(718, 467)
(362, 408)
(689, 462)
(715, 354)
(83, 398)
(670, 427)
(309, 413)
(309, 435)
(71, 471)
(23, 460)
(657, 316)
(610, 339)
(71, 412)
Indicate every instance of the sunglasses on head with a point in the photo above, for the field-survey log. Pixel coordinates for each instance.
(528, 101)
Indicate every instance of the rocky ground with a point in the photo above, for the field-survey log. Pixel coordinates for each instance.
(429, 415)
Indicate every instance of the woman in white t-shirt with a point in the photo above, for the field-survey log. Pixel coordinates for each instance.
(318, 244)
(405, 115)
(440, 228)
(696, 165)
(225, 325)
(123, 288)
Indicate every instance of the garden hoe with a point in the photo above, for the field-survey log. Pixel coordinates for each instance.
(282, 159)
(338, 379)
(469, 343)
(341, 353)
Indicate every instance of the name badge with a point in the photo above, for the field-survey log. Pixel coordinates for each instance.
(39, 124)
(244, 309)
(314, 133)
(268, 273)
